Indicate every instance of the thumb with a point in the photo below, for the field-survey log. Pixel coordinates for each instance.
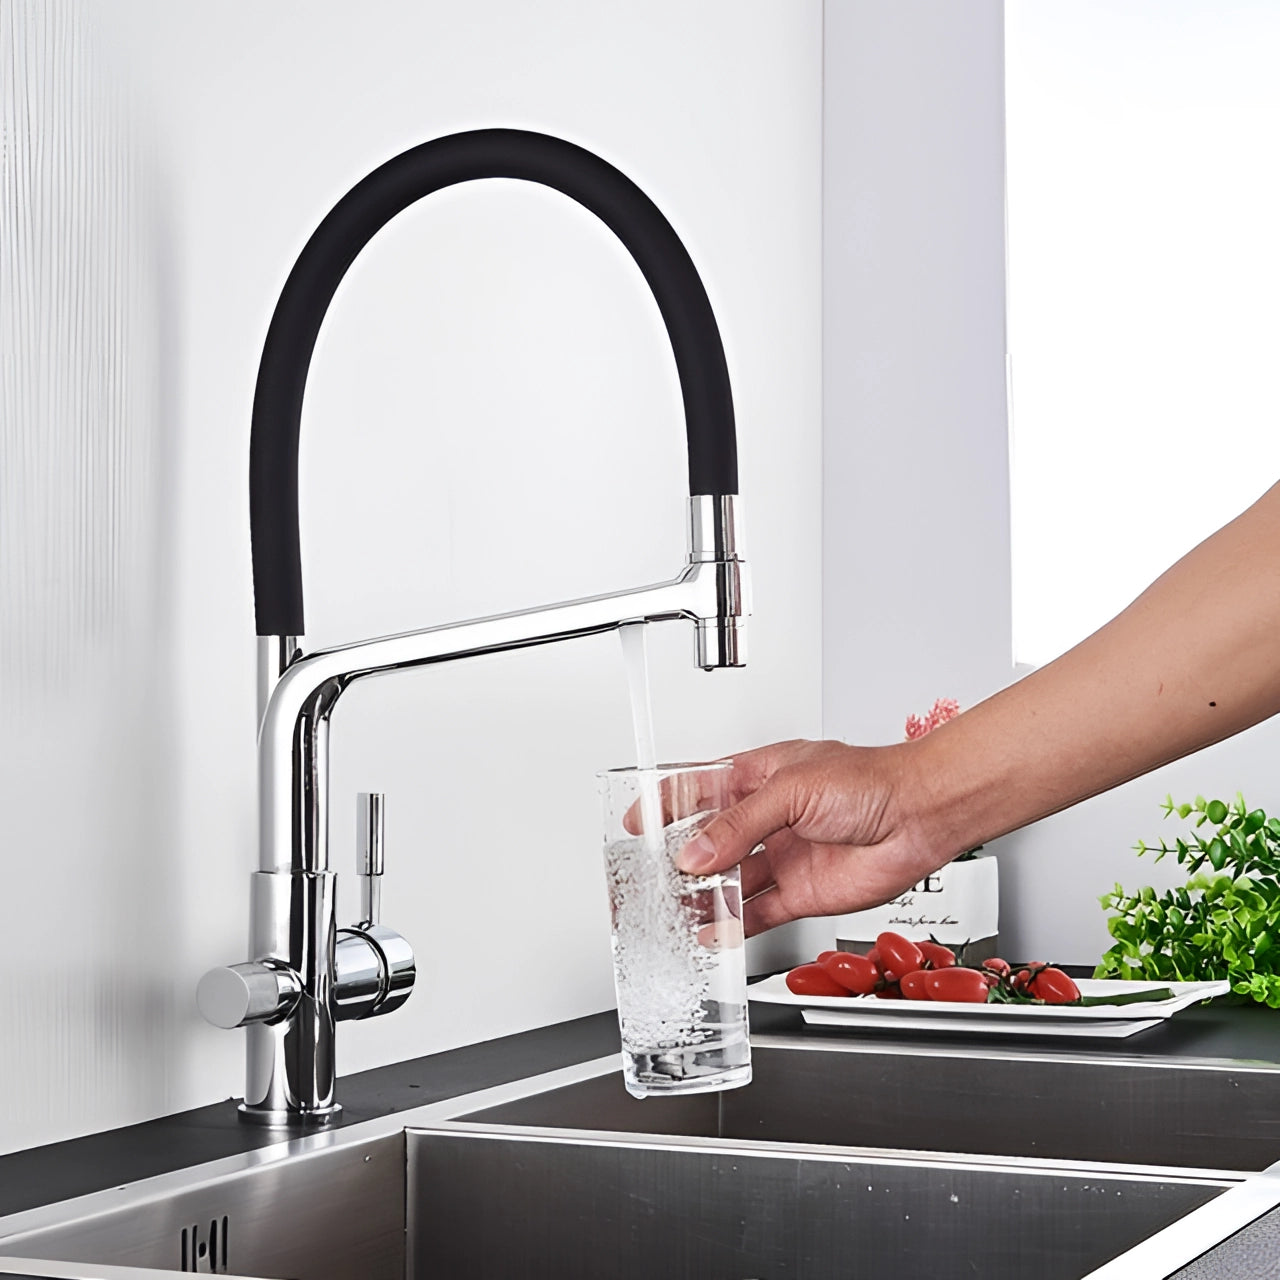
(730, 836)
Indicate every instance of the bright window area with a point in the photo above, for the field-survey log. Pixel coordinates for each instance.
(1144, 292)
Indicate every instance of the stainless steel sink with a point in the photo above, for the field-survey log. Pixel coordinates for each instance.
(838, 1159)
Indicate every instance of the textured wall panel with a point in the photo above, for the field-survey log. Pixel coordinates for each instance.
(78, 387)
(82, 721)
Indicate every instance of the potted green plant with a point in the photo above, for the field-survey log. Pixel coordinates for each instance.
(1223, 922)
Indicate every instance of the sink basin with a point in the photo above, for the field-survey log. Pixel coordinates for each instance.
(853, 1094)
(840, 1158)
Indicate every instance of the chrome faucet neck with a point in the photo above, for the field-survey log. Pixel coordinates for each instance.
(293, 738)
(275, 653)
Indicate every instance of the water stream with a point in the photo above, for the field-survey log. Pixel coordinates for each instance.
(636, 662)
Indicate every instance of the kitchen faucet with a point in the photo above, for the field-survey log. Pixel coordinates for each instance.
(307, 975)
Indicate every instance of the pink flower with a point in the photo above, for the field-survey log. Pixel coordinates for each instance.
(943, 709)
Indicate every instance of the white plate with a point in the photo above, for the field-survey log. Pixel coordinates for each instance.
(1093, 1028)
(869, 1011)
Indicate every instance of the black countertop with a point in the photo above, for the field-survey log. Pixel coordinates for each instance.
(79, 1166)
(44, 1175)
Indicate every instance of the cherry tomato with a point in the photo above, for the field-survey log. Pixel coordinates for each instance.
(853, 973)
(1020, 979)
(912, 985)
(825, 955)
(813, 980)
(889, 993)
(960, 986)
(898, 954)
(936, 955)
(998, 966)
(1053, 987)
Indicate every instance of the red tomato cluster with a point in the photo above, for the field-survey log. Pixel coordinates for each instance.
(898, 969)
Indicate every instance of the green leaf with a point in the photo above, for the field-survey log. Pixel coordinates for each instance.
(1215, 811)
(1122, 930)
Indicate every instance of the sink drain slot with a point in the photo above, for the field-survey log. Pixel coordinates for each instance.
(205, 1252)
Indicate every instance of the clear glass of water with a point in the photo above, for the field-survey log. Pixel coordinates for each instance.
(679, 959)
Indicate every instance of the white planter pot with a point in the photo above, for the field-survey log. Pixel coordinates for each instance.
(958, 904)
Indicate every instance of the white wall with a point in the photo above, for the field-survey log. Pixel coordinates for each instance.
(1140, 226)
(492, 421)
(916, 527)
(916, 522)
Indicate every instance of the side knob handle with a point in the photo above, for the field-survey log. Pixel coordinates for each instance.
(235, 995)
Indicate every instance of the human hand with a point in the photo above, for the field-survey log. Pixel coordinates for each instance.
(820, 828)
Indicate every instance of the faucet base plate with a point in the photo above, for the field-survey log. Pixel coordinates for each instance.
(297, 1120)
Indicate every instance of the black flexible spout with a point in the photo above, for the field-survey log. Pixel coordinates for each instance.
(353, 221)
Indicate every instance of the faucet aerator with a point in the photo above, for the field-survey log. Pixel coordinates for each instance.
(722, 642)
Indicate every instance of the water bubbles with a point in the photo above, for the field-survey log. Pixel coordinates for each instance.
(663, 973)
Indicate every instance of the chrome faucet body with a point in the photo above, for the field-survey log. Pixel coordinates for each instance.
(306, 974)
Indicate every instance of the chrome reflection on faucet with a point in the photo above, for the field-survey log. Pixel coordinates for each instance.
(307, 975)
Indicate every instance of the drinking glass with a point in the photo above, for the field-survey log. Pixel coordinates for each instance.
(679, 959)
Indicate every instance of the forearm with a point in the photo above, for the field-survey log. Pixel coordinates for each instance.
(1193, 660)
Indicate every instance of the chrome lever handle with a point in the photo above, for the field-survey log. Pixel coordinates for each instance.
(370, 854)
(374, 967)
